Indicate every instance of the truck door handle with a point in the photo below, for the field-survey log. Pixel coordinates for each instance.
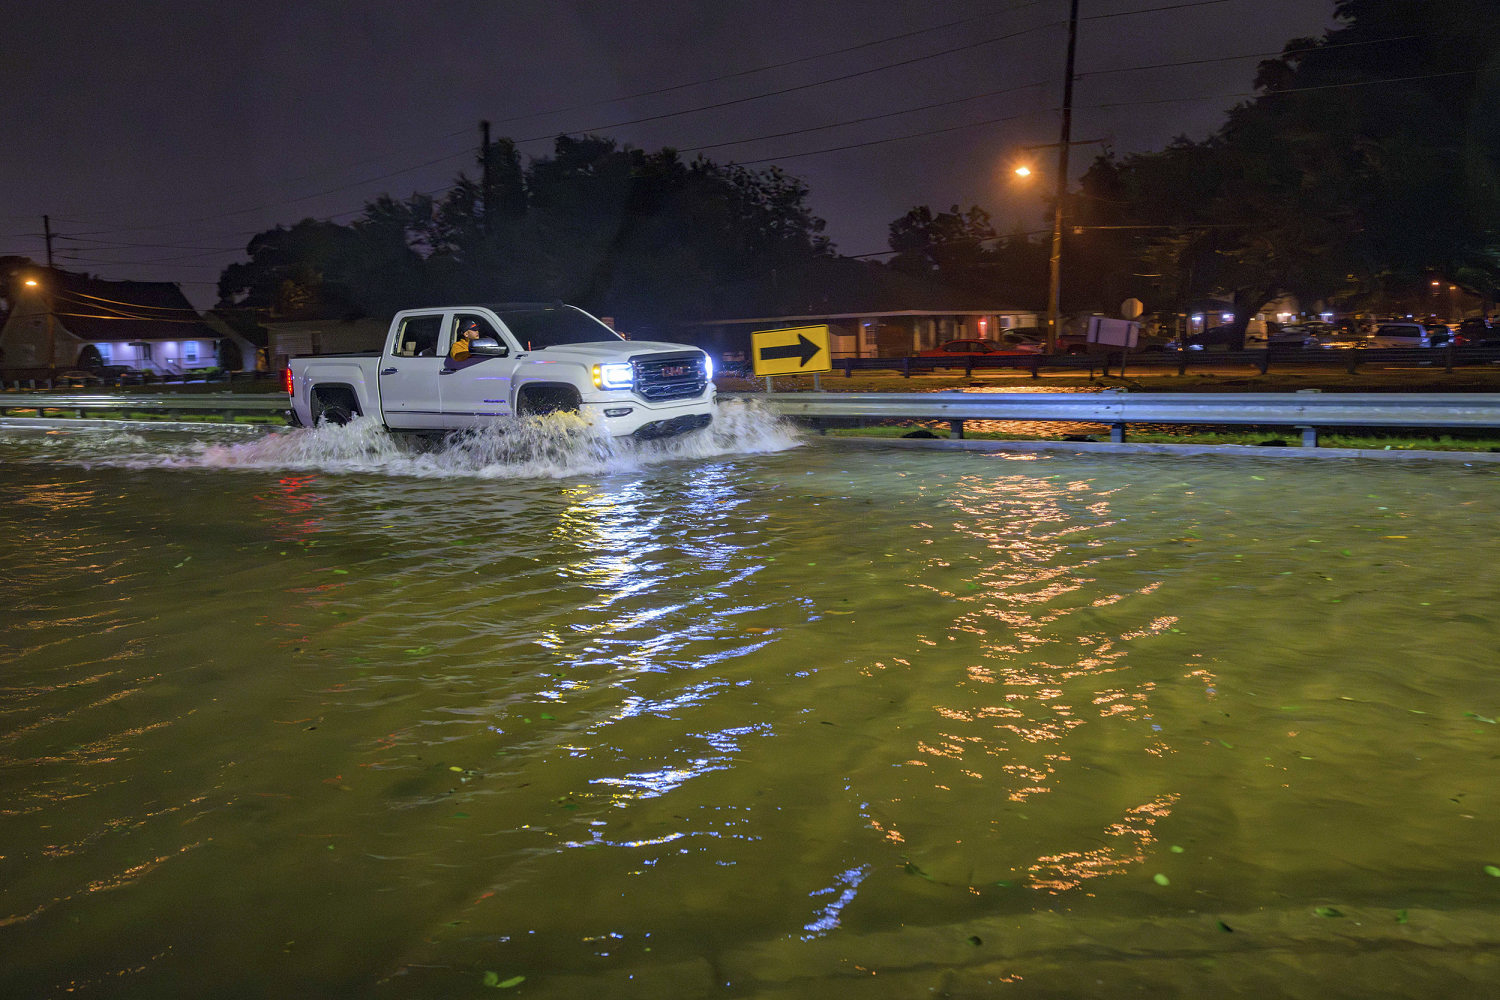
(389, 371)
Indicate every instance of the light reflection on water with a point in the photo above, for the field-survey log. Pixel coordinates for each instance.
(376, 721)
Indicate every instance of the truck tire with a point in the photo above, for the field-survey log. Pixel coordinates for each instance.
(542, 399)
(333, 406)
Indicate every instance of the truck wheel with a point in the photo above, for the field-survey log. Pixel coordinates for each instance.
(334, 406)
(336, 414)
(543, 399)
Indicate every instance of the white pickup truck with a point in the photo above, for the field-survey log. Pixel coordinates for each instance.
(529, 358)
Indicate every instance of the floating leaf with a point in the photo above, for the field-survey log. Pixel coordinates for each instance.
(549, 717)
(1492, 870)
(1327, 911)
(342, 572)
(1261, 478)
(454, 767)
(1400, 916)
(1161, 879)
(506, 984)
(975, 940)
(1225, 927)
(1481, 718)
(491, 979)
(1177, 849)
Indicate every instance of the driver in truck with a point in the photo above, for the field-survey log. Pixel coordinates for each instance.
(460, 349)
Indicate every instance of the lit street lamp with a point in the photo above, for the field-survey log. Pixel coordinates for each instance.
(32, 283)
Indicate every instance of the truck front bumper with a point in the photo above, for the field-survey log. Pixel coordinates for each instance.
(629, 417)
(672, 426)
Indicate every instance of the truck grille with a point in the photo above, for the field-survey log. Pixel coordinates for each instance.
(670, 376)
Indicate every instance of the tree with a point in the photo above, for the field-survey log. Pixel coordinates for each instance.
(297, 273)
(618, 230)
(949, 245)
(1367, 161)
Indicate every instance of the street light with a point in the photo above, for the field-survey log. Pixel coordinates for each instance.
(1054, 271)
(51, 329)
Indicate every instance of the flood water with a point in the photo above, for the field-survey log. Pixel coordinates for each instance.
(327, 714)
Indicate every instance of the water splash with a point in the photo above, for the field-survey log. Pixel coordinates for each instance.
(551, 446)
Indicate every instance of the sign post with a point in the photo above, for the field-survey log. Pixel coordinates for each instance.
(800, 350)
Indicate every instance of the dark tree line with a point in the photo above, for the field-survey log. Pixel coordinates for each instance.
(617, 230)
(1368, 164)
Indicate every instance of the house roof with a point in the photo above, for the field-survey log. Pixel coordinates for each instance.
(889, 314)
(843, 286)
(112, 311)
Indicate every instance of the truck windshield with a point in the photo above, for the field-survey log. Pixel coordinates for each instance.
(539, 328)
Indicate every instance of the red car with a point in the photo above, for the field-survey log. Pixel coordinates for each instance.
(1012, 344)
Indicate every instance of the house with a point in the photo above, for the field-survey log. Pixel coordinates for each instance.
(62, 320)
(300, 338)
(864, 334)
(871, 311)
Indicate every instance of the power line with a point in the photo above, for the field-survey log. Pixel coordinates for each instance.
(860, 121)
(807, 86)
(574, 131)
(1152, 10)
(878, 142)
(1290, 90)
(696, 110)
(1252, 55)
(773, 66)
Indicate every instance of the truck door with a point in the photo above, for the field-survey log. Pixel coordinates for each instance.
(409, 373)
(477, 389)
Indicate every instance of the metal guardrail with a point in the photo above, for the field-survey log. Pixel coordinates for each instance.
(82, 404)
(1264, 360)
(1305, 411)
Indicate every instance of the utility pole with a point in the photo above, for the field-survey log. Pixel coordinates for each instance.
(1054, 275)
(47, 230)
(484, 174)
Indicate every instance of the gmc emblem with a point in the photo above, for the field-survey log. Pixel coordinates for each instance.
(673, 371)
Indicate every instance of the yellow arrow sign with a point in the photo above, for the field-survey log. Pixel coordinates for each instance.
(791, 351)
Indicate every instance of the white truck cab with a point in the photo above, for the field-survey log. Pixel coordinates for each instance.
(529, 358)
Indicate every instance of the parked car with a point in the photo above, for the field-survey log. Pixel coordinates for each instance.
(1480, 331)
(981, 348)
(1215, 338)
(79, 378)
(1441, 335)
(1402, 334)
(1301, 335)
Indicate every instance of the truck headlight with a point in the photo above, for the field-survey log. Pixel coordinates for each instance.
(614, 376)
(708, 367)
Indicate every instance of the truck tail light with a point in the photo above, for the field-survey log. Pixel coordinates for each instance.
(286, 380)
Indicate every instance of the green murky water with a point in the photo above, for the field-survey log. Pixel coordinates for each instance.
(326, 715)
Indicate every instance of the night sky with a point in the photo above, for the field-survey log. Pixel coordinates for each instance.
(160, 136)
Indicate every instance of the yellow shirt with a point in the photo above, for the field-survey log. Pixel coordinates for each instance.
(460, 349)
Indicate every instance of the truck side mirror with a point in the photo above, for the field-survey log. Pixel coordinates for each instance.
(487, 347)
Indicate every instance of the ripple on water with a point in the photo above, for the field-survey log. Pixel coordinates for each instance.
(738, 717)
